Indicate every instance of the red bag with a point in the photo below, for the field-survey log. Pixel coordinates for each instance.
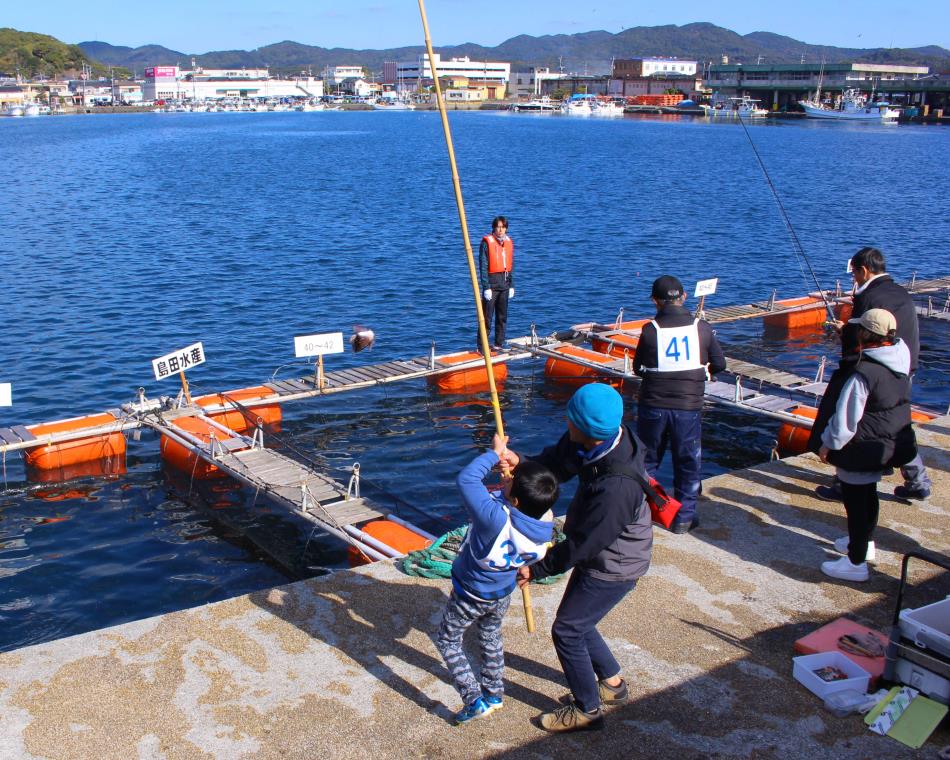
(663, 507)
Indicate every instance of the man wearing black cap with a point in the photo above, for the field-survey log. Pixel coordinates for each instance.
(675, 356)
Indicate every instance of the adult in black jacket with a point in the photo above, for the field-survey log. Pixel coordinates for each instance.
(875, 289)
(608, 544)
(675, 356)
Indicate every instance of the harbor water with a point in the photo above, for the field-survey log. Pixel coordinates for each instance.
(132, 235)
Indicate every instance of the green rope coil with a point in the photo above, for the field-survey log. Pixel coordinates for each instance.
(436, 560)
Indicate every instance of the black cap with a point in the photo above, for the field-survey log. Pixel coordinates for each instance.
(667, 288)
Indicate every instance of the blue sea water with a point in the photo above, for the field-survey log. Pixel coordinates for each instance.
(130, 236)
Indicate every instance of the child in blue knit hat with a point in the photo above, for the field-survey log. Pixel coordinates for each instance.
(506, 532)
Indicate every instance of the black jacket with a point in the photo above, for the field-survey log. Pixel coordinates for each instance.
(884, 293)
(608, 528)
(676, 390)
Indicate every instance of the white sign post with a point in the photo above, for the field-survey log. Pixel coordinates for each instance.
(6, 394)
(318, 345)
(704, 288)
(178, 361)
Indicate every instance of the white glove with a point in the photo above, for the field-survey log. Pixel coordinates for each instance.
(511, 293)
(487, 294)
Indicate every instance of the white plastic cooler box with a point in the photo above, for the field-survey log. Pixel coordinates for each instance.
(929, 629)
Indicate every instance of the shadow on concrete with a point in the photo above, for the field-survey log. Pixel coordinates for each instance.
(378, 618)
(749, 708)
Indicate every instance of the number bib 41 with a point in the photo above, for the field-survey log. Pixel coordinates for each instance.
(677, 348)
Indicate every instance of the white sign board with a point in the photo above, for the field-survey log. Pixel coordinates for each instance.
(318, 345)
(178, 361)
(706, 287)
(6, 394)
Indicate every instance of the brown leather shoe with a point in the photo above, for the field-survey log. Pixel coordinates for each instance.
(570, 717)
(609, 696)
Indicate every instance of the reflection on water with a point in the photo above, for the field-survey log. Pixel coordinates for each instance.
(150, 234)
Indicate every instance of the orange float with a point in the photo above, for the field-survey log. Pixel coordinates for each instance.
(616, 344)
(57, 456)
(793, 439)
(812, 313)
(269, 414)
(470, 379)
(570, 373)
(390, 533)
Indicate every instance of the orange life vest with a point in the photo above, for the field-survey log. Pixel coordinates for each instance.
(501, 258)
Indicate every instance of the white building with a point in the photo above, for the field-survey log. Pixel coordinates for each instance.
(336, 75)
(634, 68)
(412, 75)
(172, 83)
(528, 84)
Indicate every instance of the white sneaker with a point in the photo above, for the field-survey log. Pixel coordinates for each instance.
(841, 546)
(844, 570)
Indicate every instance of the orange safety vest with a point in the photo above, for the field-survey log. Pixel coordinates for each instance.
(501, 258)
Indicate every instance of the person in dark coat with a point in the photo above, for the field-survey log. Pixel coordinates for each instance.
(863, 427)
(608, 545)
(875, 289)
(676, 355)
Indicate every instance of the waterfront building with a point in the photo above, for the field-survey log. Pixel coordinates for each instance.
(11, 95)
(528, 84)
(337, 75)
(781, 86)
(415, 75)
(172, 83)
(638, 68)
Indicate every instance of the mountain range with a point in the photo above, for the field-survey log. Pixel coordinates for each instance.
(589, 52)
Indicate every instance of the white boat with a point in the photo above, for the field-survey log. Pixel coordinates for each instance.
(606, 108)
(391, 104)
(743, 107)
(309, 106)
(15, 111)
(538, 105)
(578, 105)
(851, 106)
(31, 109)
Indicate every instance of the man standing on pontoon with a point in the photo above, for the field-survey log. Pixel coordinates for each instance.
(496, 257)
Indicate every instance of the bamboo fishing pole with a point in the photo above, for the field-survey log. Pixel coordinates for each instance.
(476, 290)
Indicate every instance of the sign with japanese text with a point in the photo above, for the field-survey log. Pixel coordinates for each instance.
(706, 287)
(178, 361)
(161, 72)
(318, 345)
(6, 394)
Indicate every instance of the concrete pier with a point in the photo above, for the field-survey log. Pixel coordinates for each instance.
(344, 666)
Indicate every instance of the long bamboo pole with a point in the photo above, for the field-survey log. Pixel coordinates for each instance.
(473, 273)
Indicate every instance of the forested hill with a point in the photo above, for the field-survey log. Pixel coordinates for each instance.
(41, 55)
(588, 51)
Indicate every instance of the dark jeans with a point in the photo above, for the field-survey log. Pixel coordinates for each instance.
(682, 431)
(862, 505)
(584, 655)
(497, 306)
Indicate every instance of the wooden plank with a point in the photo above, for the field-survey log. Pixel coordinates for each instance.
(25, 435)
(8, 436)
(351, 377)
(375, 372)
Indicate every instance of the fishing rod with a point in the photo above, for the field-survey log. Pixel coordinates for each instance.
(799, 250)
(476, 289)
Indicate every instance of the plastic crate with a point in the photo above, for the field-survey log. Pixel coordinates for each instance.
(925, 681)
(803, 669)
(928, 627)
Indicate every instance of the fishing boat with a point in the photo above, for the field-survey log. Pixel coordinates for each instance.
(31, 109)
(606, 108)
(578, 105)
(15, 111)
(538, 105)
(391, 104)
(744, 107)
(853, 105)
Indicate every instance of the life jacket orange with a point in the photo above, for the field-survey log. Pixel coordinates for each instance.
(501, 257)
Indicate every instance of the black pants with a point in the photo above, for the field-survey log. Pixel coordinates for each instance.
(862, 505)
(498, 305)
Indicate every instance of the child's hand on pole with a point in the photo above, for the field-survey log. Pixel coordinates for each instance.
(500, 445)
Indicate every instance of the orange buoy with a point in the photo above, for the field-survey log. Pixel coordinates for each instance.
(390, 533)
(793, 439)
(57, 456)
(634, 324)
(616, 344)
(467, 380)
(812, 315)
(570, 373)
(269, 414)
(843, 311)
(182, 458)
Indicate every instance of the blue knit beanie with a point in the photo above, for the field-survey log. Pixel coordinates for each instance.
(596, 409)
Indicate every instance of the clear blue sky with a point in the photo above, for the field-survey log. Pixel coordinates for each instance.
(199, 26)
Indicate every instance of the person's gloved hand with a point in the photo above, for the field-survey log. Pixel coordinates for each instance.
(487, 294)
(511, 293)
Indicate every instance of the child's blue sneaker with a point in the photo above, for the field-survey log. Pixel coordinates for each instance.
(493, 702)
(478, 709)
